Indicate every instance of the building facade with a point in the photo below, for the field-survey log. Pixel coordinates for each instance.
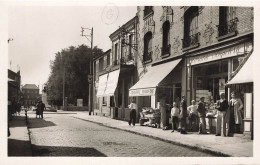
(116, 71)
(179, 50)
(31, 94)
(14, 82)
(189, 50)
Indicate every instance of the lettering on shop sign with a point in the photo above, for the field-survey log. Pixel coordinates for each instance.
(142, 92)
(225, 53)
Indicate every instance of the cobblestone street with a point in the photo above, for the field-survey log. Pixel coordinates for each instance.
(60, 134)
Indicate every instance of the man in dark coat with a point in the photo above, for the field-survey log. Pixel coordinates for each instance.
(183, 115)
(202, 116)
(42, 108)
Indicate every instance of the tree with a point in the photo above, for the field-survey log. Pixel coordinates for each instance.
(75, 62)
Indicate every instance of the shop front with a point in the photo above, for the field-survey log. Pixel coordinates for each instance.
(242, 82)
(112, 92)
(208, 74)
(161, 81)
(107, 86)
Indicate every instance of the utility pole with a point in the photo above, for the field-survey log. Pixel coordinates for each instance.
(90, 76)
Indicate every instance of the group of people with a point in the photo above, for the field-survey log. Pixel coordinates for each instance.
(229, 115)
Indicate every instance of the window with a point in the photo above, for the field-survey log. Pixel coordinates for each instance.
(227, 22)
(101, 64)
(130, 43)
(166, 38)
(191, 34)
(108, 59)
(147, 10)
(122, 51)
(147, 57)
(104, 100)
(116, 51)
(236, 62)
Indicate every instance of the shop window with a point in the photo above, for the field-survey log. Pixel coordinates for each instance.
(235, 64)
(227, 22)
(166, 38)
(147, 56)
(191, 34)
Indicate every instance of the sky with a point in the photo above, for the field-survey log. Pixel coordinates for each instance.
(39, 32)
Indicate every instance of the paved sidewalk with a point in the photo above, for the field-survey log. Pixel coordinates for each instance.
(19, 143)
(237, 146)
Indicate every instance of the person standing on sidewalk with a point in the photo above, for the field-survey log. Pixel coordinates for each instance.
(236, 110)
(193, 115)
(175, 116)
(222, 106)
(202, 116)
(133, 107)
(42, 108)
(183, 115)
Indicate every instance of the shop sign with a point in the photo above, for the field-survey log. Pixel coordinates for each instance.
(221, 54)
(142, 92)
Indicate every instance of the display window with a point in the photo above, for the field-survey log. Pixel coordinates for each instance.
(209, 81)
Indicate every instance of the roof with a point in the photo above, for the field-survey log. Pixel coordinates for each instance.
(130, 22)
(30, 86)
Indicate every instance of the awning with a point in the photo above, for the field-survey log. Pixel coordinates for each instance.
(112, 82)
(147, 85)
(107, 83)
(102, 85)
(245, 74)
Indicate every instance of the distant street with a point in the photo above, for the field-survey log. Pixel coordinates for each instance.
(60, 134)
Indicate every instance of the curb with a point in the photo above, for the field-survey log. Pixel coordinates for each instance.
(203, 149)
(29, 133)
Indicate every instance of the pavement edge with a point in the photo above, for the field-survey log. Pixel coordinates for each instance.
(203, 149)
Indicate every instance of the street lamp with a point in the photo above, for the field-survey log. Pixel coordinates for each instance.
(90, 76)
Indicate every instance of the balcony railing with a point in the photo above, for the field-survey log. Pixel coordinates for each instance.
(191, 41)
(229, 27)
(126, 59)
(147, 57)
(166, 50)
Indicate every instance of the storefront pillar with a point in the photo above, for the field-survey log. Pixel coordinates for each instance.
(123, 98)
(229, 75)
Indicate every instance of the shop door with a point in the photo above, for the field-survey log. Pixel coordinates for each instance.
(217, 85)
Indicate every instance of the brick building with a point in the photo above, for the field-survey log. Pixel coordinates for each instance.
(189, 50)
(31, 94)
(186, 50)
